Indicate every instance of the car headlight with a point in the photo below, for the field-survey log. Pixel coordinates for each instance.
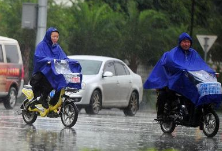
(83, 85)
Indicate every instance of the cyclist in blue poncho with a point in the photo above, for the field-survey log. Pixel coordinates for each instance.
(168, 77)
(44, 78)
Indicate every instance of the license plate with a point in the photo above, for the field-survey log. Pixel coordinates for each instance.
(75, 80)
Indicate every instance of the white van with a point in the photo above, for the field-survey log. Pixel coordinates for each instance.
(11, 72)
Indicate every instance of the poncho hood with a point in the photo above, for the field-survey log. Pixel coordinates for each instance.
(47, 37)
(184, 36)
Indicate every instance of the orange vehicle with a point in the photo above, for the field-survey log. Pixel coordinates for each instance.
(11, 72)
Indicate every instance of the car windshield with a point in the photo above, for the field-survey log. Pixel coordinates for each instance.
(90, 67)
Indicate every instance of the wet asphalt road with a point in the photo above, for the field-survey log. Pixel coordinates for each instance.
(108, 131)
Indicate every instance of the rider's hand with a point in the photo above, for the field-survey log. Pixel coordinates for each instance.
(54, 60)
(63, 61)
(67, 60)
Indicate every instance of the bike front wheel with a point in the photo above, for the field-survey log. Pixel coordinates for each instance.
(211, 123)
(69, 114)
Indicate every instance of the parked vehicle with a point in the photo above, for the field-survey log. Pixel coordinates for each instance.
(65, 106)
(11, 72)
(182, 111)
(108, 83)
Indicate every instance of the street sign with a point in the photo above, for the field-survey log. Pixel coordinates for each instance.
(29, 15)
(206, 41)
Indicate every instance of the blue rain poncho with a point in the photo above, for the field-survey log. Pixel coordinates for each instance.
(171, 71)
(46, 52)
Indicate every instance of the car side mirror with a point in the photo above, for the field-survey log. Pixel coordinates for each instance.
(107, 74)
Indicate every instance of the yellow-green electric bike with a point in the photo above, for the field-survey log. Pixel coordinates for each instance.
(65, 106)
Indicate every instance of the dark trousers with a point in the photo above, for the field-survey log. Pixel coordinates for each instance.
(55, 98)
(165, 96)
(41, 87)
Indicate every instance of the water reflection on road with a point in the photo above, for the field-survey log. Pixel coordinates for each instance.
(189, 143)
(50, 139)
(108, 131)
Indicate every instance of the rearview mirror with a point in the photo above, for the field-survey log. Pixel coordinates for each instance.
(107, 74)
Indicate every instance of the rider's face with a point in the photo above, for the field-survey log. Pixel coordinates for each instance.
(54, 37)
(185, 44)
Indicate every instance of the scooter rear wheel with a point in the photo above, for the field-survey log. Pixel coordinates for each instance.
(210, 123)
(69, 114)
(167, 126)
(29, 117)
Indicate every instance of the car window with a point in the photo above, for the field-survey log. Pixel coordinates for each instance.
(127, 70)
(120, 69)
(11, 53)
(90, 67)
(109, 66)
(1, 54)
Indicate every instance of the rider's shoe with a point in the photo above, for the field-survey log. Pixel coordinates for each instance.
(44, 102)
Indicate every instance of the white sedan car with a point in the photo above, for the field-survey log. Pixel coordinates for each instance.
(108, 83)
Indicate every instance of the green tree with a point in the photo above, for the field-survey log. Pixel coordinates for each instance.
(143, 36)
(93, 29)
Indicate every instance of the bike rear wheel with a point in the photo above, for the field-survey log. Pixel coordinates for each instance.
(28, 117)
(167, 126)
(210, 123)
(69, 114)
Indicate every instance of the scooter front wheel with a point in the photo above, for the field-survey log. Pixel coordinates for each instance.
(211, 123)
(69, 114)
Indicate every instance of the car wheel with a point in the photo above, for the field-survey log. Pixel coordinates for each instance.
(133, 106)
(11, 98)
(95, 103)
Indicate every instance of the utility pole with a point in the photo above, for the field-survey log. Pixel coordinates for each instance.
(42, 20)
(192, 17)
